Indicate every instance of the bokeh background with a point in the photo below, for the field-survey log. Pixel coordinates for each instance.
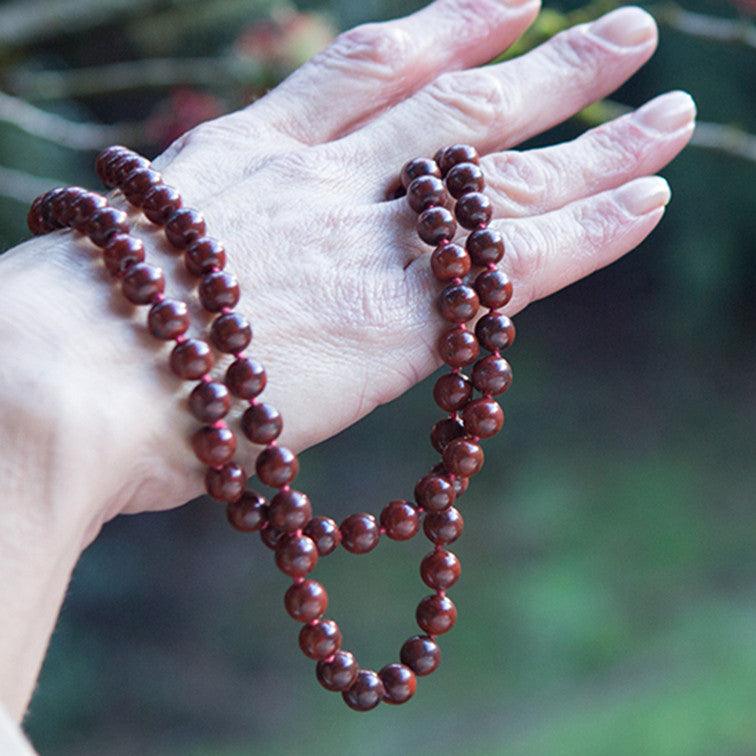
(608, 598)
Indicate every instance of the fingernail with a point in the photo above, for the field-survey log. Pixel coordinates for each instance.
(668, 113)
(626, 27)
(644, 195)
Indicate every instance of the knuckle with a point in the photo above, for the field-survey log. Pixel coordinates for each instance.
(521, 183)
(527, 247)
(616, 148)
(476, 95)
(380, 50)
(600, 221)
(577, 50)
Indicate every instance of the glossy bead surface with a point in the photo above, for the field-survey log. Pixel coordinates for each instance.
(463, 457)
(320, 639)
(473, 210)
(225, 483)
(421, 654)
(121, 252)
(452, 391)
(456, 154)
(306, 601)
(485, 247)
(436, 614)
(214, 446)
(184, 226)
(458, 303)
(85, 209)
(105, 223)
(399, 683)
(425, 192)
(460, 484)
(245, 378)
(219, 290)
(494, 288)
(492, 375)
(434, 493)
(105, 158)
(440, 570)
(443, 527)
(418, 167)
(142, 283)
(261, 423)
(458, 347)
(360, 533)
(204, 255)
(168, 319)
(160, 203)
(400, 520)
(495, 331)
(450, 261)
(138, 183)
(290, 510)
(248, 513)
(296, 555)
(231, 333)
(445, 431)
(122, 166)
(209, 401)
(464, 178)
(271, 537)
(339, 673)
(191, 359)
(436, 224)
(326, 534)
(366, 692)
(277, 466)
(483, 417)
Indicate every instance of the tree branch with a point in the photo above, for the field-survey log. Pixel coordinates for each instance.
(702, 26)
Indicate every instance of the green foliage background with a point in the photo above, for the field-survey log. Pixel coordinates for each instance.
(608, 599)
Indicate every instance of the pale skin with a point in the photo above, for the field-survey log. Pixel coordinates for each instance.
(334, 280)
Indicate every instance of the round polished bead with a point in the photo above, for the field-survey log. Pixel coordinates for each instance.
(277, 466)
(483, 417)
(473, 210)
(191, 359)
(320, 639)
(296, 555)
(219, 290)
(436, 224)
(463, 457)
(105, 157)
(214, 446)
(290, 510)
(464, 178)
(184, 226)
(440, 570)
(495, 331)
(400, 520)
(494, 288)
(124, 165)
(168, 319)
(492, 375)
(425, 192)
(209, 401)
(458, 303)
(246, 378)
(225, 483)
(421, 654)
(417, 167)
(436, 614)
(160, 203)
(204, 255)
(326, 534)
(271, 537)
(458, 347)
(143, 283)
(248, 513)
(450, 261)
(106, 222)
(443, 527)
(231, 333)
(366, 692)
(49, 221)
(138, 183)
(121, 252)
(360, 533)
(434, 493)
(399, 683)
(460, 484)
(485, 247)
(339, 672)
(261, 423)
(306, 601)
(456, 154)
(445, 431)
(452, 391)
(62, 206)
(85, 209)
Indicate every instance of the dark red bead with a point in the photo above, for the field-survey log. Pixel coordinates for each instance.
(366, 692)
(418, 167)
(452, 391)
(400, 520)
(191, 359)
(492, 375)
(483, 417)
(271, 537)
(160, 203)
(494, 288)
(320, 639)
(485, 247)
(261, 423)
(339, 672)
(62, 208)
(184, 226)
(443, 527)
(458, 303)
(456, 154)
(209, 401)
(463, 457)
(425, 192)
(360, 533)
(248, 513)
(121, 252)
(214, 446)
(246, 378)
(421, 654)
(138, 183)
(168, 319)
(277, 466)
(124, 165)
(306, 601)
(226, 483)
(326, 534)
(219, 290)
(434, 493)
(231, 333)
(399, 683)
(464, 178)
(495, 331)
(143, 283)
(445, 431)
(204, 255)
(450, 261)
(473, 210)
(296, 555)
(85, 209)
(436, 224)
(436, 614)
(458, 347)
(105, 158)
(440, 570)
(460, 484)
(106, 222)
(290, 510)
